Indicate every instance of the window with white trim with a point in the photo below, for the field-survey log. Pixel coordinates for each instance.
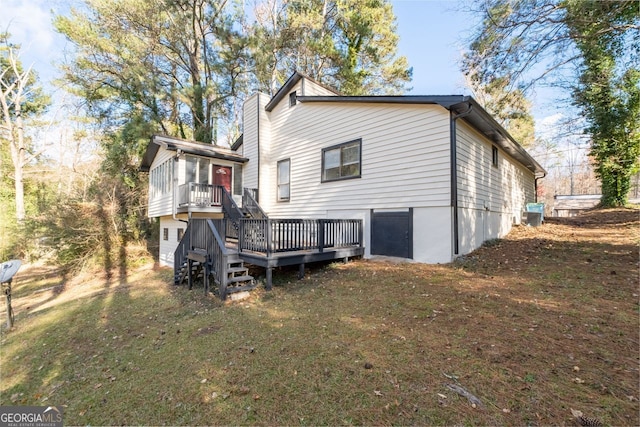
(284, 180)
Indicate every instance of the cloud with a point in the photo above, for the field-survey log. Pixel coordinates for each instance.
(546, 127)
(29, 22)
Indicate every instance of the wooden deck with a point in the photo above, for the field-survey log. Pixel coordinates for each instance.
(299, 258)
(267, 243)
(273, 243)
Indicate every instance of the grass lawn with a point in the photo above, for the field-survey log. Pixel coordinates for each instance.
(541, 322)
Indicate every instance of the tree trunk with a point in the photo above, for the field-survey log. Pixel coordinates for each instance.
(18, 163)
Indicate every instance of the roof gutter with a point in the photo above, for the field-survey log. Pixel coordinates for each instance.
(454, 174)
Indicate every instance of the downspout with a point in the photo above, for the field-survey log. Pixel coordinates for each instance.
(258, 148)
(454, 175)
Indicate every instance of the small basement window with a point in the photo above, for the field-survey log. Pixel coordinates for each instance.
(180, 233)
(165, 234)
(293, 99)
(494, 156)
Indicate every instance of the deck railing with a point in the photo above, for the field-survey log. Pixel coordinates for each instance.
(200, 195)
(285, 235)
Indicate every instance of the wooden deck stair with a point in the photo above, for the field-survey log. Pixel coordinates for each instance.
(238, 277)
(198, 267)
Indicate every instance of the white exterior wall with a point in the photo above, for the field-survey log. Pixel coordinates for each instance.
(490, 199)
(161, 204)
(405, 157)
(432, 235)
(168, 247)
(310, 88)
(405, 164)
(250, 142)
(265, 144)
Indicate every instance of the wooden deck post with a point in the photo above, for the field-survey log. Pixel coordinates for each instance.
(269, 238)
(321, 223)
(301, 271)
(269, 278)
(206, 278)
(190, 276)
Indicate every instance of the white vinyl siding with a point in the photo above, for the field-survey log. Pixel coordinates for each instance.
(264, 175)
(250, 142)
(168, 247)
(491, 198)
(312, 89)
(405, 156)
(505, 188)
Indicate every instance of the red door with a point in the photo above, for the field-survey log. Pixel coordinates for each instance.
(222, 176)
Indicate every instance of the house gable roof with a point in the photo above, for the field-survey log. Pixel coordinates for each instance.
(465, 106)
(290, 84)
(188, 147)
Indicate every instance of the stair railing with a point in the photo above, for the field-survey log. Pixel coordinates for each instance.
(180, 254)
(219, 256)
(205, 234)
(250, 204)
(208, 236)
(231, 212)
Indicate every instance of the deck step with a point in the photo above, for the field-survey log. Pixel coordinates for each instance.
(237, 271)
(197, 254)
(239, 279)
(232, 289)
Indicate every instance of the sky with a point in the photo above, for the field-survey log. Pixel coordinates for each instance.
(433, 34)
(430, 37)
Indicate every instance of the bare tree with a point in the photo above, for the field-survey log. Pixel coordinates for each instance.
(20, 97)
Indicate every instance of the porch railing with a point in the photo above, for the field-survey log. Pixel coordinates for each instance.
(200, 195)
(284, 235)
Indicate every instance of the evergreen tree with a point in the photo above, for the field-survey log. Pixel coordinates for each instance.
(176, 62)
(350, 45)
